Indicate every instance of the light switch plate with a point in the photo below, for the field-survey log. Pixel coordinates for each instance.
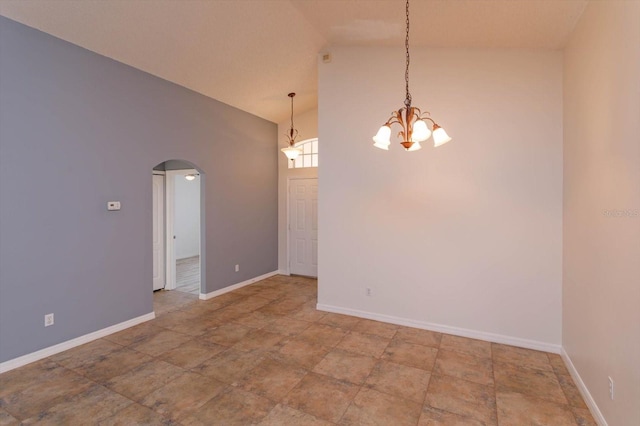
(113, 205)
(48, 320)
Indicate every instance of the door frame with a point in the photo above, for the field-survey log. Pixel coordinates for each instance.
(169, 213)
(164, 225)
(289, 179)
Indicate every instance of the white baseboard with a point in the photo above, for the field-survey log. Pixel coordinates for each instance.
(61, 347)
(586, 395)
(284, 272)
(457, 331)
(224, 290)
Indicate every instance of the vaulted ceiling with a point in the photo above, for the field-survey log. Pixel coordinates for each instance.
(251, 53)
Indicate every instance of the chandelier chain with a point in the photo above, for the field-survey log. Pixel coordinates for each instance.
(292, 134)
(291, 113)
(407, 101)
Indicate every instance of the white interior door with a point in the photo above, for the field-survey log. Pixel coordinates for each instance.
(303, 227)
(158, 233)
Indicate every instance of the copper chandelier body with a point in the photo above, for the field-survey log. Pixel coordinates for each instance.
(410, 118)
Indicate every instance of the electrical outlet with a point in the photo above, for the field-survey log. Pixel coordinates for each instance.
(237, 268)
(610, 388)
(48, 320)
(368, 291)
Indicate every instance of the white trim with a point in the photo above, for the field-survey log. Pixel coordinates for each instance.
(283, 272)
(232, 287)
(169, 195)
(288, 213)
(457, 331)
(159, 172)
(306, 141)
(69, 344)
(586, 395)
(161, 216)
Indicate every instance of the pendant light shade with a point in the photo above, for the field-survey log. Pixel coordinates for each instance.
(440, 137)
(420, 131)
(381, 138)
(416, 146)
(291, 152)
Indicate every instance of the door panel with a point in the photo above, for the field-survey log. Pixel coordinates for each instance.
(303, 227)
(158, 232)
(300, 215)
(300, 251)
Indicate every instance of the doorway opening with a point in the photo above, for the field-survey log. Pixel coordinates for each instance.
(185, 185)
(178, 243)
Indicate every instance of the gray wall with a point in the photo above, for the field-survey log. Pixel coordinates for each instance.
(77, 130)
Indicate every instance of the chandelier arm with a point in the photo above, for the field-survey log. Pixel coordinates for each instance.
(409, 113)
(405, 130)
(396, 118)
(292, 135)
(429, 118)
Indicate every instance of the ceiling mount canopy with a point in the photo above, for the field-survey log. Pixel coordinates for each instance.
(410, 118)
(290, 150)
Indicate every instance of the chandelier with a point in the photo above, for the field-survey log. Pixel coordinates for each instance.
(290, 150)
(411, 119)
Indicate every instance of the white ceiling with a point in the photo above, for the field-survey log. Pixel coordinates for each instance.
(251, 53)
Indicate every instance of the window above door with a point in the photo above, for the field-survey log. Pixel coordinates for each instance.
(309, 156)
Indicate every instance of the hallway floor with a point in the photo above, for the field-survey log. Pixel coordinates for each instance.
(264, 355)
(188, 275)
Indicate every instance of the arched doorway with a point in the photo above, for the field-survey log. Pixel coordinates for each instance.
(178, 227)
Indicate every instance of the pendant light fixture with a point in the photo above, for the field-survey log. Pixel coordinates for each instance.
(414, 129)
(291, 151)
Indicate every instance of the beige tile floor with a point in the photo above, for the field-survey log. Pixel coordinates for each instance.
(264, 355)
